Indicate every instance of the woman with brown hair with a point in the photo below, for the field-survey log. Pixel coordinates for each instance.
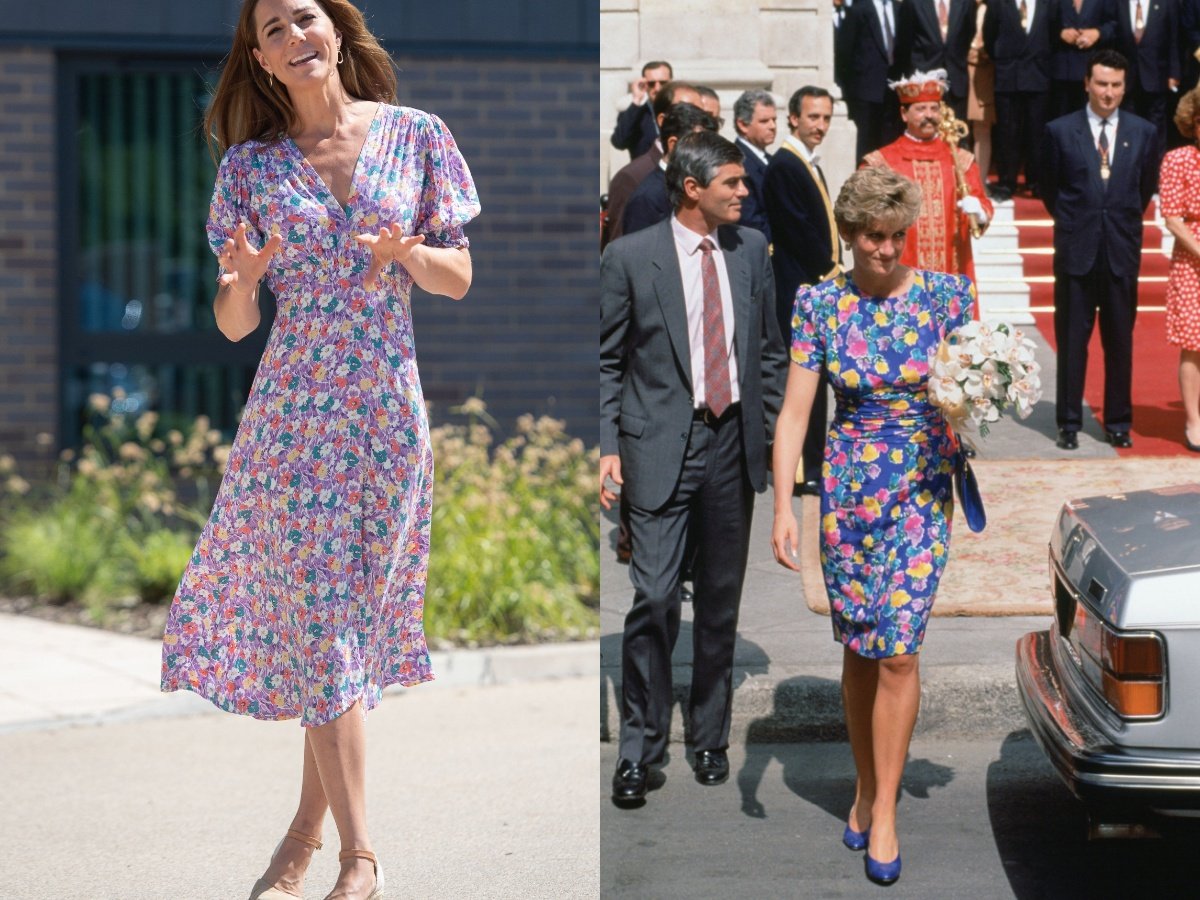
(304, 596)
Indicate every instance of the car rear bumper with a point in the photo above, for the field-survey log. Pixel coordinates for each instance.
(1093, 767)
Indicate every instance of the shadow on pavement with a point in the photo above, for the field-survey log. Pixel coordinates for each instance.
(1040, 830)
(775, 738)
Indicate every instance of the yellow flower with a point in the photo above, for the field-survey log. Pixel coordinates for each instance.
(896, 456)
(920, 570)
(900, 648)
(881, 367)
(872, 505)
(870, 453)
(910, 337)
(923, 317)
(851, 378)
(880, 317)
(923, 498)
(900, 597)
(909, 373)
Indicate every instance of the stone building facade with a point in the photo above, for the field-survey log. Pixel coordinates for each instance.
(732, 46)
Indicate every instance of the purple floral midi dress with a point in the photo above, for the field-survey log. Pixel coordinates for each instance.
(305, 591)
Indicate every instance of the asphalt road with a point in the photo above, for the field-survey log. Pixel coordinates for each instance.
(980, 818)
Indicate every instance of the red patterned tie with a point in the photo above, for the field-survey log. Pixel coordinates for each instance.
(716, 357)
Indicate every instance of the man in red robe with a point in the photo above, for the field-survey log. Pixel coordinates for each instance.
(940, 239)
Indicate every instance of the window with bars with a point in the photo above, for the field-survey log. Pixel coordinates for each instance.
(138, 276)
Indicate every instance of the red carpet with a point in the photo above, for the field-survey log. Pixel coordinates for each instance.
(1157, 409)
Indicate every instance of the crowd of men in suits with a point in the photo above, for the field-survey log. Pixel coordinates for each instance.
(708, 241)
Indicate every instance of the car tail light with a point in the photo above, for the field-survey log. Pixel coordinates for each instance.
(1127, 669)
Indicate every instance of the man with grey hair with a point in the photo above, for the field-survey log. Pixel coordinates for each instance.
(650, 204)
(691, 378)
(754, 119)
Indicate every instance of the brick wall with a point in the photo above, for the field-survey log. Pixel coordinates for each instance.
(526, 336)
(28, 256)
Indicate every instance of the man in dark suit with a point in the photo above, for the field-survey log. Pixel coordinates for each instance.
(937, 34)
(1016, 35)
(635, 130)
(629, 176)
(867, 59)
(1077, 33)
(651, 202)
(1148, 36)
(691, 379)
(806, 248)
(1100, 172)
(754, 118)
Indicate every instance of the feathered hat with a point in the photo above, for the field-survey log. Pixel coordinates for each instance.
(921, 87)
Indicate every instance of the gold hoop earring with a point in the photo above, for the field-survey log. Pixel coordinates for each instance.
(341, 59)
(271, 79)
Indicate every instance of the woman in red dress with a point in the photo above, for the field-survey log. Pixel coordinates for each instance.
(1179, 202)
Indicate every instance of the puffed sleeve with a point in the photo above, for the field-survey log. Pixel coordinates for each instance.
(231, 200)
(808, 337)
(448, 198)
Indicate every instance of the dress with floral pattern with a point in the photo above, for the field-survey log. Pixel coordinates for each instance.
(305, 592)
(886, 498)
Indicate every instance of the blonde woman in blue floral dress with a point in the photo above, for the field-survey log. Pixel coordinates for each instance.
(886, 499)
(304, 596)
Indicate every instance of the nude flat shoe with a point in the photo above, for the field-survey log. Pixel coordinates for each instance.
(265, 890)
(377, 892)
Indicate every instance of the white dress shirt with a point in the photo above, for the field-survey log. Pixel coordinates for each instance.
(887, 23)
(1133, 14)
(1110, 131)
(687, 248)
(1030, 12)
(813, 158)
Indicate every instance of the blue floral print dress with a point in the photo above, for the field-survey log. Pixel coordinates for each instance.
(305, 592)
(886, 499)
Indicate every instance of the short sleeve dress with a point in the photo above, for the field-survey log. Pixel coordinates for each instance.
(1179, 195)
(305, 591)
(886, 497)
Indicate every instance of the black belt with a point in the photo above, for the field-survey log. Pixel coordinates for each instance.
(706, 416)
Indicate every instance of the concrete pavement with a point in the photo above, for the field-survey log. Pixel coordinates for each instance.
(480, 783)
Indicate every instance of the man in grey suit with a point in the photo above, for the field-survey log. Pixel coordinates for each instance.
(691, 378)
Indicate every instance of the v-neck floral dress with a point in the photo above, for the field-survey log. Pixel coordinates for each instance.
(305, 591)
(886, 497)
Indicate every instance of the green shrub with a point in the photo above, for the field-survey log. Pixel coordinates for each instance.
(64, 552)
(158, 561)
(514, 548)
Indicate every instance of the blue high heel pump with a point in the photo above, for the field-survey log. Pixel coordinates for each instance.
(883, 873)
(855, 840)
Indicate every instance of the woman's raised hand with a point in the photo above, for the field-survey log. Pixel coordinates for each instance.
(244, 266)
(785, 538)
(390, 245)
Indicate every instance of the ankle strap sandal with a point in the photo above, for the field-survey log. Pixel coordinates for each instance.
(377, 893)
(304, 838)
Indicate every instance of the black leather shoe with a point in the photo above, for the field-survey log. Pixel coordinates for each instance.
(810, 487)
(1119, 439)
(629, 783)
(1067, 440)
(712, 767)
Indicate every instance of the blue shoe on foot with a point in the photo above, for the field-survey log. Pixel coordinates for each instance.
(883, 873)
(855, 840)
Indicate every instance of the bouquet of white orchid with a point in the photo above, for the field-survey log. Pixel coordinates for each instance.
(982, 371)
